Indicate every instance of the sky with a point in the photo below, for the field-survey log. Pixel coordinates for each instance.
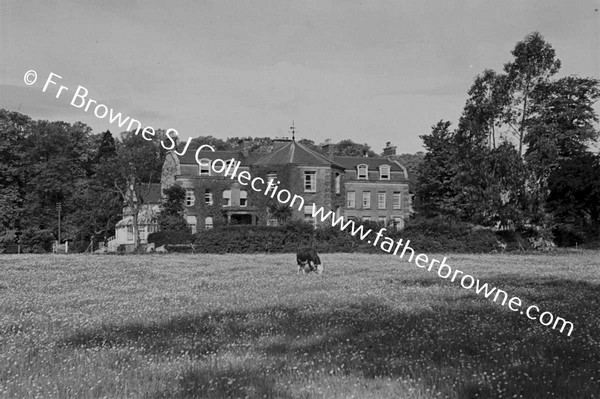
(370, 71)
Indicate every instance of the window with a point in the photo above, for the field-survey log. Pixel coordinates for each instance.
(272, 176)
(308, 217)
(363, 172)
(130, 233)
(191, 222)
(243, 198)
(310, 182)
(381, 220)
(226, 197)
(338, 183)
(397, 200)
(350, 199)
(366, 199)
(398, 222)
(190, 198)
(381, 200)
(208, 197)
(208, 223)
(384, 172)
(204, 166)
(366, 218)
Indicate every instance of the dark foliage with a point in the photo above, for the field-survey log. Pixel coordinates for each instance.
(171, 237)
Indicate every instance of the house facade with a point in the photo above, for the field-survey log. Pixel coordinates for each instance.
(377, 189)
(359, 188)
(147, 219)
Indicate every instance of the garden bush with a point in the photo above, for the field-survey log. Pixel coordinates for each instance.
(170, 237)
(36, 240)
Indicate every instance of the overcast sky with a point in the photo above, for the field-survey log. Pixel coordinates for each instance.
(371, 71)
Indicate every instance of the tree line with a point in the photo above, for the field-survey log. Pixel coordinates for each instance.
(521, 155)
(46, 165)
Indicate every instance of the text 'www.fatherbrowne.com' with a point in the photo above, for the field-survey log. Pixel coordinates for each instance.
(444, 270)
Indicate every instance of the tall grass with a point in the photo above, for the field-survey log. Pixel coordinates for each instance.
(372, 326)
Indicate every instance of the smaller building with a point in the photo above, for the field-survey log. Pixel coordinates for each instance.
(147, 220)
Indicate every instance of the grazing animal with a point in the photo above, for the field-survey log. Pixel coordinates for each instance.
(309, 261)
(161, 250)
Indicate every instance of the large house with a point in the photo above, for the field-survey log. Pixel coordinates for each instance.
(359, 188)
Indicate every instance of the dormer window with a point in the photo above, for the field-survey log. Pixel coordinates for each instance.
(384, 172)
(363, 172)
(204, 167)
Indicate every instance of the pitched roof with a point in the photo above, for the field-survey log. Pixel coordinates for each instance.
(372, 162)
(297, 154)
(189, 157)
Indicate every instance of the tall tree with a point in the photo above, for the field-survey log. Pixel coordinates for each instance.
(137, 165)
(533, 65)
(14, 129)
(435, 189)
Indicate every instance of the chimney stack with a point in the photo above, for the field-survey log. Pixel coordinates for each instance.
(245, 147)
(389, 149)
(329, 148)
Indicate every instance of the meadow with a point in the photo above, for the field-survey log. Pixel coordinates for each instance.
(236, 326)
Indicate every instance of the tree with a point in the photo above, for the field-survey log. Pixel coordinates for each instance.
(217, 144)
(562, 122)
(348, 148)
(483, 110)
(494, 182)
(533, 65)
(412, 162)
(435, 189)
(171, 217)
(137, 165)
(58, 159)
(574, 196)
(256, 144)
(107, 147)
(281, 212)
(14, 129)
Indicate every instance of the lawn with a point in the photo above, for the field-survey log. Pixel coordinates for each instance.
(372, 326)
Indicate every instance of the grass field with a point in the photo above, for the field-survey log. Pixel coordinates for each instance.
(372, 326)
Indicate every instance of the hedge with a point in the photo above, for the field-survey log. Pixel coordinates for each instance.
(167, 237)
(427, 235)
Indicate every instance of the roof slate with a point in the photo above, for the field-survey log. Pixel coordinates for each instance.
(189, 158)
(372, 162)
(297, 154)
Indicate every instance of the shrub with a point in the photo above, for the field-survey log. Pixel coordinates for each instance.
(442, 235)
(171, 237)
(36, 240)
